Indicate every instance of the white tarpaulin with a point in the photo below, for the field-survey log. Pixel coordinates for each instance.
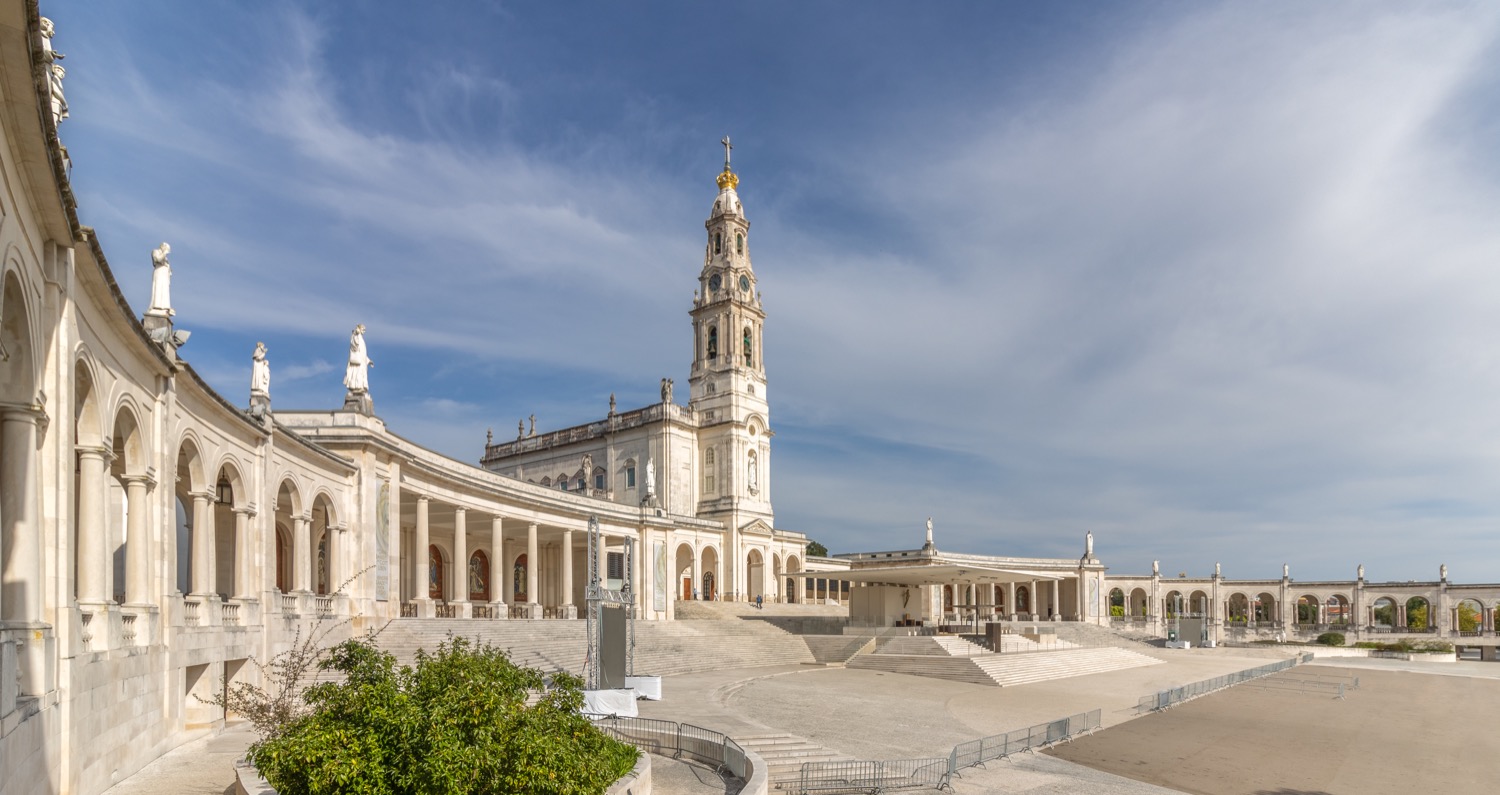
(609, 702)
(647, 687)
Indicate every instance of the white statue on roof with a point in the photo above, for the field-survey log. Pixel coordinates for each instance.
(161, 282)
(356, 375)
(260, 372)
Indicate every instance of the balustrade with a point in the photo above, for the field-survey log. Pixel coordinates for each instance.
(230, 613)
(190, 612)
(86, 634)
(127, 628)
(323, 606)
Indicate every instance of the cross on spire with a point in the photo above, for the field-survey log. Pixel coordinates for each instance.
(727, 146)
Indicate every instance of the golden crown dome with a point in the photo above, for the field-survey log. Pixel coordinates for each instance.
(727, 179)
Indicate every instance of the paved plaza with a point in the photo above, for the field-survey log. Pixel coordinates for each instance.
(1410, 727)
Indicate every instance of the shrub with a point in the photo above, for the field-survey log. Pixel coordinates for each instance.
(1330, 639)
(456, 722)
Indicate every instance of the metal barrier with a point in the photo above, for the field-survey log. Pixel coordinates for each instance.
(872, 777)
(1177, 695)
(1000, 746)
(670, 738)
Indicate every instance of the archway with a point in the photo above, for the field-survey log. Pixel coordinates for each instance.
(1172, 605)
(193, 541)
(283, 558)
(1198, 605)
(20, 530)
(1307, 610)
(1468, 617)
(710, 568)
(1023, 599)
(755, 575)
(793, 563)
(91, 494)
(1138, 603)
(129, 504)
(683, 566)
(231, 540)
(1239, 609)
(1116, 603)
(1337, 608)
(1418, 614)
(1383, 613)
(291, 520)
(1265, 609)
(325, 542)
(479, 576)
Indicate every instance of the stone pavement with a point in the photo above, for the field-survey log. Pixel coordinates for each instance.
(204, 766)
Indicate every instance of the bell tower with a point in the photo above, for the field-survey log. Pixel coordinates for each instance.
(728, 380)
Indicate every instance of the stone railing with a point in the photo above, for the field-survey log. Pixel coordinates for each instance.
(446, 610)
(594, 430)
(128, 628)
(489, 612)
(408, 609)
(86, 630)
(323, 606)
(190, 612)
(229, 613)
(289, 604)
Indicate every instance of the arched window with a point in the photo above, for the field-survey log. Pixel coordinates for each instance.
(718, 243)
(749, 347)
(518, 582)
(739, 244)
(630, 474)
(713, 342)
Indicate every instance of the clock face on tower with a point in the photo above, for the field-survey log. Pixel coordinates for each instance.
(745, 284)
(714, 282)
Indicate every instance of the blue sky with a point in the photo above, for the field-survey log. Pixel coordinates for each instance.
(1216, 282)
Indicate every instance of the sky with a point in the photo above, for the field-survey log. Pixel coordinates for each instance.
(1217, 283)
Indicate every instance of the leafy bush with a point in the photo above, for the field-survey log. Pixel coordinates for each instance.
(456, 722)
(1117, 611)
(1330, 639)
(1429, 646)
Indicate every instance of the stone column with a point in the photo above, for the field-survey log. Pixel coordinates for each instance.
(1056, 606)
(567, 569)
(507, 574)
(245, 586)
(20, 532)
(531, 566)
(301, 553)
(497, 562)
(460, 555)
(137, 545)
(92, 552)
(422, 582)
(1010, 600)
(203, 544)
(697, 576)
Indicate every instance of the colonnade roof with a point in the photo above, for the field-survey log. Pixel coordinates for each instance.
(933, 575)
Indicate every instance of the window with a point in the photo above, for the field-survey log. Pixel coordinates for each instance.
(713, 342)
(718, 241)
(748, 347)
(708, 471)
(630, 476)
(562, 482)
(739, 244)
(599, 481)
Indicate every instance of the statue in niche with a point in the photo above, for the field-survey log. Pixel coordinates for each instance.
(588, 469)
(356, 375)
(260, 372)
(161, 282)
(650, 477)
(666, 390)
(754, 474)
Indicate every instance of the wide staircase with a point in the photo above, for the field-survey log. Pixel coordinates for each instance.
(784, 755)
(837, 649)
(955, 659)
(662, 648)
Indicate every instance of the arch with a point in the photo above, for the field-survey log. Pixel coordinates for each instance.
(1383, 612)
(682, 561)
(1307, 609)
(1173, 605)
(1023, 599)
(755, 575)
(1265, 609)
(709, 564)
(1418, 614)
(479, 576)
(437, 561)
(1117, 603)
(1138, 603)
(89, 531)
(1238, 609)
(948, 600)
(713, 342)
(1198, 604)
(1468, 616)
(289, 495)
(229, 493)
(18, 353)
(1336, 609)
(518, 566)
(88, 420)
(718, 243)
(283, 558)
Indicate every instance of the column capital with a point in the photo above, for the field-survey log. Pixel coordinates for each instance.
(460, 510)
(13, 412)
(422, 498)
(202, 495)
(94, 451)
(247, 510)
(303, 518)
(144, 480)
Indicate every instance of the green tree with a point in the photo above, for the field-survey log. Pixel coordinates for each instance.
(456, 722)
(816, 550)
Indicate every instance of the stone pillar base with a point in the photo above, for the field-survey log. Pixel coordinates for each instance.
(568, 611)
(463, 609)
(426, 608)
(500, 610)
(532, 609)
